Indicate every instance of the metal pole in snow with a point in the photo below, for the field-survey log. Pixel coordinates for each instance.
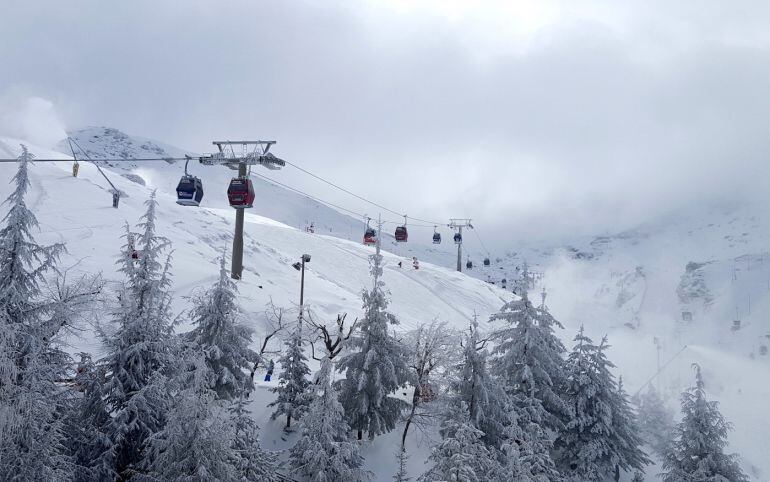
(237, 263)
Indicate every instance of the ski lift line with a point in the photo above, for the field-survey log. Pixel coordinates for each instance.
(660, 370)
(357, 196)
(70, 140)
(141, 159)
(480, 241)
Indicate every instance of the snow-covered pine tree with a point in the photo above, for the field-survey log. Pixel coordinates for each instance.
(195, 443)
(323, 453)
(223, 339)
(376, 367)
(697, 451)
(532, 441)
(462, 456)
(32, 407)
(293, 386)
(484, 398)
(90, 420)
(401, 472)
(530, 355)
(596, 439)
(140, 352)
(627, 438)
(656, 421)
(251, 461)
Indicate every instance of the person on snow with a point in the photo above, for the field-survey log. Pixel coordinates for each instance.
(270, 367)
(399, 264)
(415, 263)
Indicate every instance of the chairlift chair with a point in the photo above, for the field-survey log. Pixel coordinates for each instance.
(189, 191)
(241, 193)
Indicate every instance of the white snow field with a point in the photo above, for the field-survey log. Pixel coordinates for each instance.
(625, 286)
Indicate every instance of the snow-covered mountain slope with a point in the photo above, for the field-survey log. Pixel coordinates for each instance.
(78, 212)
(633, 286)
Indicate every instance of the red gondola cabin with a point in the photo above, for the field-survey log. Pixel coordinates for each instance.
(370, 236)
(240, 193)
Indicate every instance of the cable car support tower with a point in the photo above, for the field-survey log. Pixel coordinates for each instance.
(459, 224)
(240, 156)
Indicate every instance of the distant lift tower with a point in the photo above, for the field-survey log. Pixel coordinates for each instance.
(459, 224)
(240, 156)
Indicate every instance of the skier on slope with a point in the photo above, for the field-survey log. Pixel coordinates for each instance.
(415, 263)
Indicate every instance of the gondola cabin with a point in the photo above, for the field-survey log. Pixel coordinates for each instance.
(469, 264)
(189, 191)
(486, 261)
(436, 238)
(458, 238)
(241, 193)
(401, 234)
(370, 236)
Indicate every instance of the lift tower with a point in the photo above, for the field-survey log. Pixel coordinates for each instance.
(240, 156)
(459, 224)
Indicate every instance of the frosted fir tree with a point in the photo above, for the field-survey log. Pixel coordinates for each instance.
(324, 453)
(223, 339)
(91, 418)
(32, 406)
(485, 400)
(402, 475)
(656, 421)
(195, 443)
(251, 461)
(698, 449)
(376, 367)
(462, 456)
(627, 438)
(596, 443)
(529, 356)
(293, 386)
(532, 442)
(140, 351)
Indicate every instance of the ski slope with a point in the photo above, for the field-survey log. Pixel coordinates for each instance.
(624, 286)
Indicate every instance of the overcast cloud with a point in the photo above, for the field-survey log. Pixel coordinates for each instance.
(538, 119)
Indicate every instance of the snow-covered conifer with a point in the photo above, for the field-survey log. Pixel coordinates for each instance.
(251, 461)
(697, 451)
(90, 440)
(324, 452)
(376, 367)
(223, 339)
(140, 352)
(530, 355)
(462, 456)
(532, 441)
(195, 443)
(600, 436)
(293, 386)
(656, 421)
(32, 406)
(485, 400)
(401, 473)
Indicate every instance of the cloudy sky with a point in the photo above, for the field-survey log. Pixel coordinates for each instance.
(537, 118)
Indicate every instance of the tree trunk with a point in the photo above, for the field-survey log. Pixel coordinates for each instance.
(360, 434)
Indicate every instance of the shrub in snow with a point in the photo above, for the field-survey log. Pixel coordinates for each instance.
(697, 450)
